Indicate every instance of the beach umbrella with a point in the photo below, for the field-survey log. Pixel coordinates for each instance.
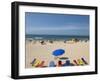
(58, 52)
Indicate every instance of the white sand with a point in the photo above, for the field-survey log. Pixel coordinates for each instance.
(73, 50)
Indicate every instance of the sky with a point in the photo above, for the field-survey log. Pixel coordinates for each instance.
(56, 24)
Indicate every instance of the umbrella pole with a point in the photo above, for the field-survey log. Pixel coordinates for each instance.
(56, 58)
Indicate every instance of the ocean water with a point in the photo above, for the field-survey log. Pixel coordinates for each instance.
(55, 37)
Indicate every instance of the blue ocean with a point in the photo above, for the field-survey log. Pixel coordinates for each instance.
(55, 37)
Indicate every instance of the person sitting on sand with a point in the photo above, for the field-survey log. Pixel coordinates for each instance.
(42, 42)
(65, 41)
(51, 41)
(75, 40)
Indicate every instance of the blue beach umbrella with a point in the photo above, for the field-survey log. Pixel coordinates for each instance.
(58, 52)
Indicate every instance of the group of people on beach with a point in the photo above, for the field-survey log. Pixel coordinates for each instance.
(43, 42)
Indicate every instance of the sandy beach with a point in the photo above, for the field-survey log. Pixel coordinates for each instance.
(73, 50)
